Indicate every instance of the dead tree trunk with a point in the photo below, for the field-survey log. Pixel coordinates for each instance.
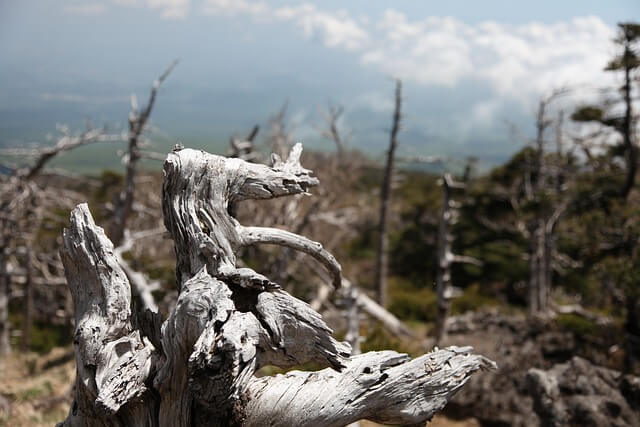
(545, 186)
(444, 288)
(333, 116)
(199, 367)
(537, 268)
(385, 202)
(443, 276)
(137, 123)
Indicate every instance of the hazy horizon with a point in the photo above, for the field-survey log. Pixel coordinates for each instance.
(470, 72)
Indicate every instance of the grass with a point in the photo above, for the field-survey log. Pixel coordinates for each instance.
(37, 387)
(579, 325)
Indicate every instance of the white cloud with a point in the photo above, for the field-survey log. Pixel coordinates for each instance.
(172, 9)
(336, 29)
(516, 61)
(484, 111)
(86, 9)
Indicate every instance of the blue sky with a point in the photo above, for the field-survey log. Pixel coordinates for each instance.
(469, 67)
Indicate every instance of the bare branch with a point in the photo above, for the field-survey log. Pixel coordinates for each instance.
(255, 235)
(332, 118)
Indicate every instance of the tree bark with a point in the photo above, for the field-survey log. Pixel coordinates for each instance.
(199, 366)
(385, 202)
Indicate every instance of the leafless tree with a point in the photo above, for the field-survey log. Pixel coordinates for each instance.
(137, 123)
(279, 140)
(385, 203)
(332, 117)
(244, 148)
(546, 194)
(24, 204)
(444, 289)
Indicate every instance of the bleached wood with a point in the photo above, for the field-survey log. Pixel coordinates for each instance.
(368, 305)
(113, 360)
(385, 387)
(143, 287)
(391, 322)
(255, 235)
(199, 368)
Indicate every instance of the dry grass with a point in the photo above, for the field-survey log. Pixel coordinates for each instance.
(35, 389)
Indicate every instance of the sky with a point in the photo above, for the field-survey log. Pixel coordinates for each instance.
(471, 70)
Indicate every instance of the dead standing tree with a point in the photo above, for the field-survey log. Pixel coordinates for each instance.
(244, 148)
(137, 123)
(279, 140)
(199, 367)
(385, 202)
(448, 216)
(546, 196)
(332, 117)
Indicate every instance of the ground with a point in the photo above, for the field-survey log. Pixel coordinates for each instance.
(34, 389)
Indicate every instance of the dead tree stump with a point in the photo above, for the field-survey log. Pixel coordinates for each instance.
(199, 366)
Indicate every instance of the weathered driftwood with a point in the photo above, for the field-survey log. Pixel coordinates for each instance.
(199, 367)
